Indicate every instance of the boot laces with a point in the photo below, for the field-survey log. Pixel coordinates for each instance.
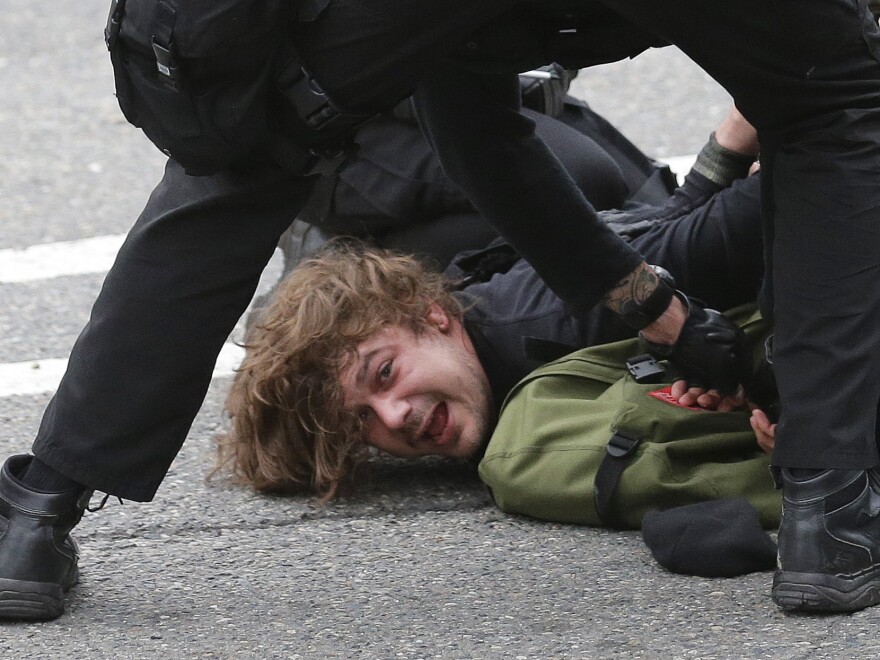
(85, 501)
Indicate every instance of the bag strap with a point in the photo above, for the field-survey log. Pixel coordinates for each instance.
(621, 448)
(163, 46)
(317, 110)
(161, 41)
(314, 120)
(619, 453)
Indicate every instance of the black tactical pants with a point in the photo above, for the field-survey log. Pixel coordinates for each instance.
(140, 369)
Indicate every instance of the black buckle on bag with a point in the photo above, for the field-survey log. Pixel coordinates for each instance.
(165, 64)
(329, 162)
(315, 109)
(621, 446)
(162, 41)
(304, 94)
(645, 369)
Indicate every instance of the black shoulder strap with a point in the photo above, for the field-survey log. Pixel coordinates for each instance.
(619, 453)
(162, 42)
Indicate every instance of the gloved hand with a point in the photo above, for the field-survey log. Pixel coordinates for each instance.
(711, 351)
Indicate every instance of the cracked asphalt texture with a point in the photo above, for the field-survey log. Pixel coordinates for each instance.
(418, 564)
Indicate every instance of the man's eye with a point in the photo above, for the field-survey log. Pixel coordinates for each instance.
(385, 371)
(364, 415)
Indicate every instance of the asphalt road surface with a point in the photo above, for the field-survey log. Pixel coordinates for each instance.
(419, 564)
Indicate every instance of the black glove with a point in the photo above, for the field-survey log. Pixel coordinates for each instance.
(711, 351)
(636, 218)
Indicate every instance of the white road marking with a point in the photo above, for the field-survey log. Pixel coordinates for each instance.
(38, 376)
(92, 256)
(40, 262)
(32, 377)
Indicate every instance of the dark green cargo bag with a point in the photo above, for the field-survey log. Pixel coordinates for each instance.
(585, 414)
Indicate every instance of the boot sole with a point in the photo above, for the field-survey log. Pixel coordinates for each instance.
(819, 592)
(21, 600)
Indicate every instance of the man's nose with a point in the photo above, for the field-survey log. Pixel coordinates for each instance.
(392, 411)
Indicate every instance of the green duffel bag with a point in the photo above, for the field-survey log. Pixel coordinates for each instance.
(579, 440)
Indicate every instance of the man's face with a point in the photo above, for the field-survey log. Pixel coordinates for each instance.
(420, 395)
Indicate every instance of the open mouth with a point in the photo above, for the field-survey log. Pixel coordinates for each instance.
(434, 429)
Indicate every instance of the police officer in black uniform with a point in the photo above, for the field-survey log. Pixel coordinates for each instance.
(190, 265)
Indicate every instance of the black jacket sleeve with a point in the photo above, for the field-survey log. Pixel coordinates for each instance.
(491, 152)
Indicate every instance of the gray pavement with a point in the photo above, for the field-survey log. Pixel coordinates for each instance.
(416, 565)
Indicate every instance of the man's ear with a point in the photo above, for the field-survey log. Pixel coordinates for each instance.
(438, 317)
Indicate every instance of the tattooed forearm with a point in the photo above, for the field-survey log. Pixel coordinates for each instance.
(632, 291)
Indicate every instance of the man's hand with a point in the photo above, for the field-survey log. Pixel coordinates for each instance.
(764, 430)
(708, 399)
(707, 348)
(710, 351)
(687, 395)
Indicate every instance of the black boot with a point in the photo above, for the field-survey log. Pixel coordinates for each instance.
(829, 542)
(38, 558)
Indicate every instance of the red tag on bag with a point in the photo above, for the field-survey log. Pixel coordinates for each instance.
(665, 395)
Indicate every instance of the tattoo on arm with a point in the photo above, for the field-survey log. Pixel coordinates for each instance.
(632, 291)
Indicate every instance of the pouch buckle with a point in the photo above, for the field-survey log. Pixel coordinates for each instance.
(621, 446)
(645, 369)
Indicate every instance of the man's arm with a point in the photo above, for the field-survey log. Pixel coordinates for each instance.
(491, 152)
(634, 292)
(733, 147)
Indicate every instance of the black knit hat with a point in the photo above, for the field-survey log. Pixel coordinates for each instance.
(719, 538)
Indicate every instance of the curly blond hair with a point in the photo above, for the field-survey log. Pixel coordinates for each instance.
(288, 430)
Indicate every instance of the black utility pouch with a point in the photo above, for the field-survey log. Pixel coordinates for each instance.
(196, 76)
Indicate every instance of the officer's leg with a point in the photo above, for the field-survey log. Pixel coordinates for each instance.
(806, 74)
(139, 370)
